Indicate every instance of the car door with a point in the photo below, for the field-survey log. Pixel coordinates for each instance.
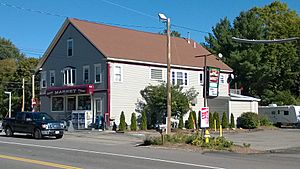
(19, 122)
(28, 123)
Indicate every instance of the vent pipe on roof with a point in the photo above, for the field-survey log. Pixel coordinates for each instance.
(195, 44)
(188, 37)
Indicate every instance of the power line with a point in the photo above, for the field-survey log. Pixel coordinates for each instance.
(183, 27)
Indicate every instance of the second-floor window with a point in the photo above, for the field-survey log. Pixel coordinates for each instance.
(98, 73)
(86, 74)
(70, 47)
(222, 79)
(156, 74)
(118, 73)
(179, 78)
(201, 78)
(69, 76)
(52, 78)
(43, 79)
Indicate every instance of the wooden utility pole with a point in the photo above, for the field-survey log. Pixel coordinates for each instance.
(23, 101)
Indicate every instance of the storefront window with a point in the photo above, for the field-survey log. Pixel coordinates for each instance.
(57, 104)
(71, 103)
(84, 103)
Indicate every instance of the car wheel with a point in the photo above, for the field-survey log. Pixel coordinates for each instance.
(37, 134)
(9, 132)
(59, 136)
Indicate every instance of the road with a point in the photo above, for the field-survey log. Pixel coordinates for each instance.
(113, 151)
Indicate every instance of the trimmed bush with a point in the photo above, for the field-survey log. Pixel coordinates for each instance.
(248, 120)
(144, 121)
(190, 124)
(224, 120)
(217, 118)
(122, 125)
(264, 120)
(211, 120)
(232, 122)
(180, 125)
(133, 122)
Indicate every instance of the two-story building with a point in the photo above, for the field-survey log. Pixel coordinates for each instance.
(101, 68)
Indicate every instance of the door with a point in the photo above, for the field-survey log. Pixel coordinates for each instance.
(98, 108)
(71, 105)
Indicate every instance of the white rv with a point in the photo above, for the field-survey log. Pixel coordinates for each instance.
(281, 115)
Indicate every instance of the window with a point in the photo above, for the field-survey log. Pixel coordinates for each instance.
(273, 112)
(69, 76)
(222, 79)
(286, 113)
(86, 74)
(118, 73)
(201, 78)
(52, 78)
(180, 78)
(84, 103)
(43, 79)
(70, 47)
(98, 74)
(156, 74)
(57, 104)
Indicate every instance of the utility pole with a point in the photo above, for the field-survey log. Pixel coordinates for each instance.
(33, 93)
(9, 104)
(168, 77)
(23, 100)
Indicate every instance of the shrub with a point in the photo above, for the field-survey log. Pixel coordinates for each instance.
(180, 125)
(248, 120)
(122, 125)
(232, 123)
(211, 120)
(264, 121)
(144, 121)
(224, 120)
(133, 122)
(190, 124)
(217, 118)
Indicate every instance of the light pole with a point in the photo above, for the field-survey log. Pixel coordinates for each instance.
(163, 18)
(33, 100)
(9, 104)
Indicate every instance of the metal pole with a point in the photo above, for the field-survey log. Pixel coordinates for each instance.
(205, 81)
(23, 99)
(168, 77)
(9, 104)
(33, 92)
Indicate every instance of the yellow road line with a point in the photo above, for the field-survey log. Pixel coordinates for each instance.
(38, 162)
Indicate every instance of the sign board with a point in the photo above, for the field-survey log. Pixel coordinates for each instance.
(204, 114)
(213, 81)
(79, 89)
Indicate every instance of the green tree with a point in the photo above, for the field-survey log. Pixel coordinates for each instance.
(263, 70)
(217, 118)
(211, 120)
(156, 101)
(122, 125)
(224, 120)
(232, 122)
(133, 122)
(190, 124)
(144, 121)
(180, 125)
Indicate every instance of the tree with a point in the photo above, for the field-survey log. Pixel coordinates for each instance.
(133, 122)
(156, 101)
(211, 120)
(262, 70)
(224, 120)
(180, 125)
(144, 121)
(232, 123)
(190, 124)
(122, 125)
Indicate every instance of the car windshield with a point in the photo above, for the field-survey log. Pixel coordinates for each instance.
(41, 116)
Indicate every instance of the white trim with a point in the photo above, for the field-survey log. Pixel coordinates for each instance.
(95, 66)
(159, 64)
(83, 73)
(72, 47)
(121, 69)
(53, 73)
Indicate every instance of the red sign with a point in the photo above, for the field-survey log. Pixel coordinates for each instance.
(77, 89)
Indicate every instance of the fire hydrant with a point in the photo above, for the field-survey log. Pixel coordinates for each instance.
(206, 136)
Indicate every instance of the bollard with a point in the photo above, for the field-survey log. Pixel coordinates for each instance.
(221, 131)
(206, 136)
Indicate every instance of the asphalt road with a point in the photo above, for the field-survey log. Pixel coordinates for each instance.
(113, 151)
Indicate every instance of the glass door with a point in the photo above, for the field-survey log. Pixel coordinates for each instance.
(99, 113)
(71, 105)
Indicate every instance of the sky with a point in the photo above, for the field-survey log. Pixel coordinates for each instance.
(32, 24)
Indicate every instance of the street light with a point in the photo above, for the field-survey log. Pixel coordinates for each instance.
(166, 20)
(33, 100)
(9, 106)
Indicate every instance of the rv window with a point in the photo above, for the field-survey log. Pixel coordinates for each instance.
(278, 111)
(273, 112)
(286, 112)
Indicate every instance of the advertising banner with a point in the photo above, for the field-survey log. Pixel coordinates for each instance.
(213, 81)
(204, 114)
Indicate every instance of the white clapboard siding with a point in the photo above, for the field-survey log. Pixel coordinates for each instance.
(239, 107)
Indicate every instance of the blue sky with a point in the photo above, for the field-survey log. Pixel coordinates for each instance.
(32, 32)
